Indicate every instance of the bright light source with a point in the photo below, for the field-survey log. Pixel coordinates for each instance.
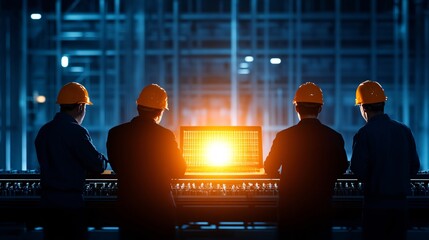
(248, 59)
(243, 71)
(36, 16)
(65, 61)
(275, 60)
(218, 153)
(40, 99)
(202, 148)
(244, 65)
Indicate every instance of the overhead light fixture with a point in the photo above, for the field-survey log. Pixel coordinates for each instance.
(248, 59)
(65, 61)
(244, 65)
(36, 16)
(275, 60)
(40, 99)
(243, 71)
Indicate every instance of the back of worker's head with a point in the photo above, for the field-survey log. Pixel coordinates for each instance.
(370, 98)
(308, 100)
(152, 102)
(73, 98)
(370, 95)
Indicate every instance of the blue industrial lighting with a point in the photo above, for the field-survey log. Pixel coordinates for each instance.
(243, 71)
(248, 59)
(65, 61)
(275, 60)
(244, 65)
(76, 69)
(36, 16)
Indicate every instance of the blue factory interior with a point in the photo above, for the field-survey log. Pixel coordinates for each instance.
(222, 63)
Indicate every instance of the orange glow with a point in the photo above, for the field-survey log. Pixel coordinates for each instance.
(40, 99)
(218, 153)
(221, 149)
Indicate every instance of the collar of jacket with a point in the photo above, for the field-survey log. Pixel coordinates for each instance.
(309, 121)
(65, 117)
(379, 117)
(143, 119)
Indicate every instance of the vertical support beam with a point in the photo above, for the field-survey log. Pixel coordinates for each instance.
(176, 62)
(102, 61)
(129, 59)
(419, 51)
(291, 86)
(266, 87)
(405, 65)
(373, 40)
(58, 18)
(337, 88)
(298, 40)
(23, 88)
(2, 80)
(254, 66)
(2, 86)
(116, 91)
(140, 64)
(266, 59)
(234, 84)
(396, 68)
(424, 154)
(8, 95)
(161, 61)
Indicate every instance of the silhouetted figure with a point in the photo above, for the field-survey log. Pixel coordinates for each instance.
(66, 154)
(145, 157)
(311, 156)
(384, 158)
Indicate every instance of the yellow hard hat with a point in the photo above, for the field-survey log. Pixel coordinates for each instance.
(309, 93)
(73, 93)
(153, 96)
(369, 92)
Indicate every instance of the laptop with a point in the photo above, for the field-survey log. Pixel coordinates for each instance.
(222, 150)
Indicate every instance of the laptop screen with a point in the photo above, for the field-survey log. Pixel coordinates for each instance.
(222, 149)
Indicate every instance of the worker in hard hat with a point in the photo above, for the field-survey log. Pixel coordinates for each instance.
(310, 157)
(145, 156)
(66, 154)
(384, 159)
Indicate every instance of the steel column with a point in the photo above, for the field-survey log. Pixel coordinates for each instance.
(233, 56)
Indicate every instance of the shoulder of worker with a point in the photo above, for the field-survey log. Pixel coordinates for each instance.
(119, 127)
(383, 121)
(67, 124)
(332, 131)
(137, 123)
(286, 131)
(399, 124)
(294, 128)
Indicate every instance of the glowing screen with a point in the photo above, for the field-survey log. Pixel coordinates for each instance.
(222, 148)
(218, 153)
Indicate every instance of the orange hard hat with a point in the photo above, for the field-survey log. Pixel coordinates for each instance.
(369, 92)
(309, 93)
(73, 93)
(153, 96)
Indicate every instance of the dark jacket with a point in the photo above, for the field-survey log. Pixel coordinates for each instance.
(312, 157)
(66, 154)
(384, 157)
(145, 156)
